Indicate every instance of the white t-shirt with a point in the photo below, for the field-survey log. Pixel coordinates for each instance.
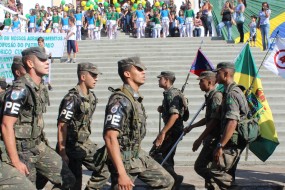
(72, 30)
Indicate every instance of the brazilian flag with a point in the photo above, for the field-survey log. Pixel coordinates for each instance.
(246, 75)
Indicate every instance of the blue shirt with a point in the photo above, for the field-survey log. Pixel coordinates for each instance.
(263, 19)
(78, 16)
(15, 24)
(90, 20)
(140, 13)
(252, 27)
(164, 13)
(64, 21)
(32, 18)
(181, 20)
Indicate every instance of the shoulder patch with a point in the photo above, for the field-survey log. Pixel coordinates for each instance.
(114, 108)
(69, 106)
(229, 100)
(16, 94)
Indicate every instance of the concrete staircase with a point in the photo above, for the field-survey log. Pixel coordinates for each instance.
(175, 54)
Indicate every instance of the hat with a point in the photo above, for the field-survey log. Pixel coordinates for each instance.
(3, 83)
(224, 65)
(166, 74)
(17, 60)
(206, 74)
(37, 51)
(135, 61)
(90, 67)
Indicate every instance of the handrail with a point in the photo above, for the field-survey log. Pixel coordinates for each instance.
(22, 19)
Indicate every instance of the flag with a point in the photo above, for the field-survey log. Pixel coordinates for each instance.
(201, 63)
(246, 70)
(276, 61)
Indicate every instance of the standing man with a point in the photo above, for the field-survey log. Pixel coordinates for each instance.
(22, 125)
(211, 134)
(229, 147)
(172, 109)
(124, 129)
(74, 128)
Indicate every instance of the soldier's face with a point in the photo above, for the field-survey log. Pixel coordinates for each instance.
(137, 75)
(41, 66)
(220, 76)
(90, 80)
(162, 82)
(204, 85)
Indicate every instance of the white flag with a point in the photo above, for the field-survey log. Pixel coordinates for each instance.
(276, 61)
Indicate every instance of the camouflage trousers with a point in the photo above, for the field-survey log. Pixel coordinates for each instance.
(12, 179)
(48, 163)
(146, 169)
(220, 177)
(84, 155)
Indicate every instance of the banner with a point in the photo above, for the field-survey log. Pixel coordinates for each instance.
(246, 73)
(5, 67)
(14, 43)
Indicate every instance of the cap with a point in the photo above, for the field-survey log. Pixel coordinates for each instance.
(206, 74)
(17, 60)
(87, 66)
(166, 74)
(135, 61)
(3, 83)
(37, 51)
(224, 65)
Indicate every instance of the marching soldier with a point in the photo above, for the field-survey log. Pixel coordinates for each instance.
(124, 129)
(74, 128)
(22, 125)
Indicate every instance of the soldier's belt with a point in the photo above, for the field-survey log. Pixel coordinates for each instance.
(27, 144)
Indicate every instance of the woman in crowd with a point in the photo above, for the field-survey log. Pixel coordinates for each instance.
(197, 25)
(165, 18)
(226, 20)
(207, 18)
(239, 17)
(264, 25)
(189, 20)
(140, 19)
(79, 21)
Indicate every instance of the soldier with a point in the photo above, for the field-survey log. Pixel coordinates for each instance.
(210, 136)
(172, 109)
(3, 86)
(17, 67)
(124, 129)
(22, 125)
(229, 147)
(74, 128)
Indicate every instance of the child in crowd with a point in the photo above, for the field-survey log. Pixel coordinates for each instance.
(140, 19)
(55, 21)
(109, 23)
(90, 24)
(7, 22)
(41, 43)
(157, 27)
(98, 27)
(189, 19)
(165, 16)
(39, 23)
(116, 18)
(71, 40)
(46, 21)
(181, 24)
(16, 24)
(252, 26)
(79, 21)
(32, 21)
(197, 25)
(64, 22)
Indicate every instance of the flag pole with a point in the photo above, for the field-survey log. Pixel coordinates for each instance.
(183, 133)
(188, 75)
(251, 85)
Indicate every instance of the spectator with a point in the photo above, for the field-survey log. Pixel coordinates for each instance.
(165, 17)
(181, 24)
(12, 5)
(20, 9)
(264, 25)
(239, 17)
(252, 27)
(46, 21)
(37, 7)
(55, 22)
(207, 18)
(39, 23)
(157, 28)
(71, 40)
(32, 21)
(197, 25)
(90, 24)
(226, 20)
(7, 23)
(16, 24)
(98, 27)
(140, 19)
(64, 22)
(43, 11)
(189, 19)
(79, 21)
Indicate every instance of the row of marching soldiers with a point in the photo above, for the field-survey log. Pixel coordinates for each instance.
(28, 162)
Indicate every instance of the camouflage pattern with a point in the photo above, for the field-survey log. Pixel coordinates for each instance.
(213, 101)
(233, 107)
(26, 101)
(125, 113)
(76, 110)
(90, 67)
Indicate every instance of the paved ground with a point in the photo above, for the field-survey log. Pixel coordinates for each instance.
(255, 177)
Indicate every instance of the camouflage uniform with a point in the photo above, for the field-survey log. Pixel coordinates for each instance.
(125, 113)
(26, 101)
(76, 111)
(234, 107)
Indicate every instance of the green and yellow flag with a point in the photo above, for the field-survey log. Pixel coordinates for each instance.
(246, 70)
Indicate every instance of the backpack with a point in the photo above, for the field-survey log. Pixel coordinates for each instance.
(248, 129)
